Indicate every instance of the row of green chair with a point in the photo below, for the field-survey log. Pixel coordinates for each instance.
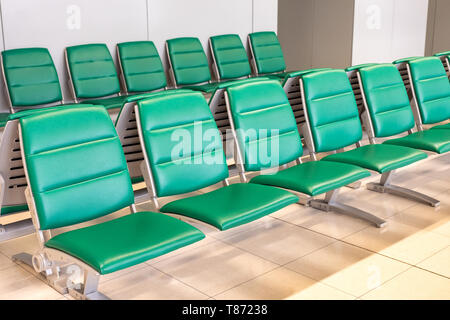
(32, 82)
(76, 171)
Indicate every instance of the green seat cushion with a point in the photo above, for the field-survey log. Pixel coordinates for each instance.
(442, 126)
(117, 244)
(206, 88)
(359, 66)
(267, 52)
(233, 205)
(331, 108)
(230, 56)
(142, 68)
(402, 60)
(265, 125)
(188, 60)
(31, 77)
(3, 119)
(92, 70)
(432, 89)
(440, 54)
(314, 177)
(75, 165)
(195, 163)
(387, 100)
(13, 209)
(432, 140)
(379, 157)
(109, 103)
(28, 112)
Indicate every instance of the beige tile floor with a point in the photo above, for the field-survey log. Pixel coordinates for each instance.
(296, 253)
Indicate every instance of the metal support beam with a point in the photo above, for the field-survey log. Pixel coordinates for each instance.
(330, 204)
(384, 186)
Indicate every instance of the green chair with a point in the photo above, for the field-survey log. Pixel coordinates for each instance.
(230, 60)
(431, 90)
(389, 113)
(184, 153)
(32, 85)
(188, 65)
(93, 77)
(333, 124)
(141, 68)
(77, 173)
(267, 138)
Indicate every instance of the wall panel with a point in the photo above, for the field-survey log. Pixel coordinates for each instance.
(56, 24)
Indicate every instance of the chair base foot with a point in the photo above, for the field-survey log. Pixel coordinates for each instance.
(16, 229)
(403, 192)
(347, 210)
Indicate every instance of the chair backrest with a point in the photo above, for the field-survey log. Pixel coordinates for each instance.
(181, 142)
(141, 66)
(92, 71)
(266, 51)
(331, 109)
(431, 89)
(230, 56)
(30, 77)
(188, 61)
(387, 100)
(265, 124)
(75, 165)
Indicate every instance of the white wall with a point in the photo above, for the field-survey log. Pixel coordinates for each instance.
(56, 24)
(385, 30)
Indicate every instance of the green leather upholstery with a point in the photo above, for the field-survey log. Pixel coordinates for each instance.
(334, 123)
(387, 100)
(359, 66)
(141, 66)
(73, 154)
(332, 111)
(314, 177)
(402, 60)
(265, 120)
(92, 70)
(432, 140)
(378, 157)
(77, 172)
(126, 241)
(432, 89)
(13, 209)
(230, 56)
(3, 119)
(31, 77)
(444, 53)
(189, 62)
(443, 126)
(164, 119)
(292, 74)
(267, 52)
(231, 206)
(262, 105)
